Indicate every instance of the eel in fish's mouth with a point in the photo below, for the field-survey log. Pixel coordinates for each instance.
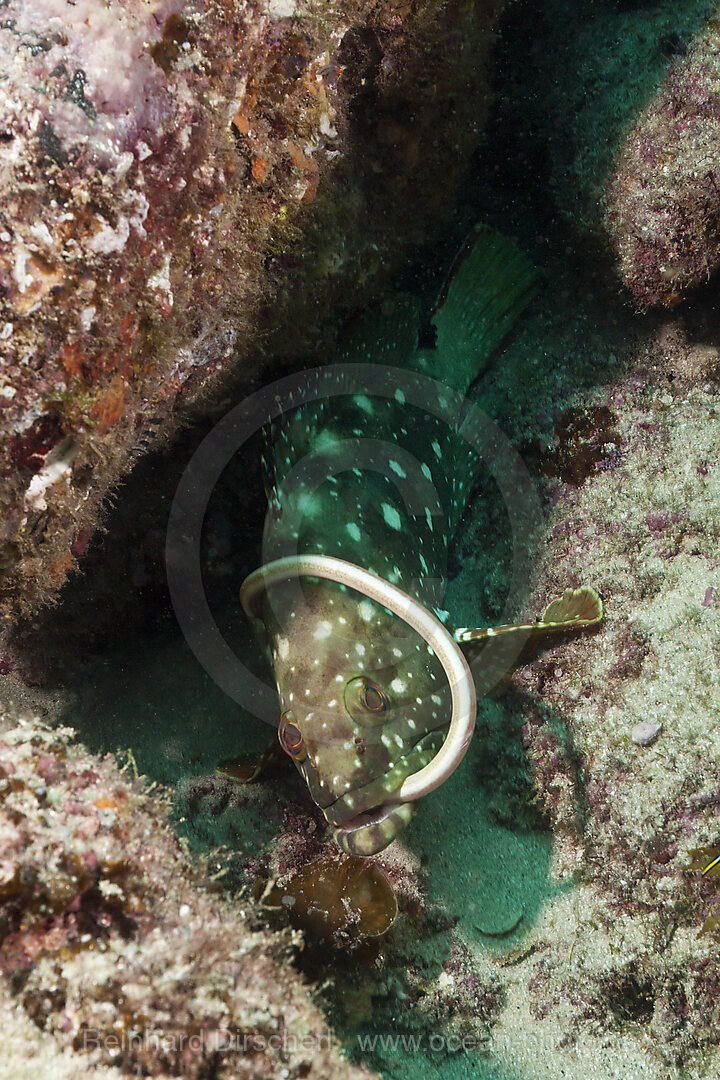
(372, 830)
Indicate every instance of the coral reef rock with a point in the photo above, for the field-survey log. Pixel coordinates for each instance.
(663, 198)
(114, 957)
(180, 183)
(620, 727)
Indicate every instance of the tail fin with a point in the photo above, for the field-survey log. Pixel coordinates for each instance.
(489, 285)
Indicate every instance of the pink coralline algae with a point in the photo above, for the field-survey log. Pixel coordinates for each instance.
(663, 199)
(179, 182)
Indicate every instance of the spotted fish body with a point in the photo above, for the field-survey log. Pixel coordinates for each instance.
(377, 473)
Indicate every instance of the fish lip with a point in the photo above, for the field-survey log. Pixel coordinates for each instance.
(364, 800)
(367, 817)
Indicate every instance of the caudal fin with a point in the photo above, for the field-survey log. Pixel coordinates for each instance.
(490, 284)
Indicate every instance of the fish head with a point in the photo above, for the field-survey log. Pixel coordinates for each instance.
(364, 703)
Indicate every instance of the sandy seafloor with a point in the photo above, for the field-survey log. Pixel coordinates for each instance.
(562, 918)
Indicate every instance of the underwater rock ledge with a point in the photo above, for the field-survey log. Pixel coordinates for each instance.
(252, 165)
(112, 946)
(629, 813)
(663, 198)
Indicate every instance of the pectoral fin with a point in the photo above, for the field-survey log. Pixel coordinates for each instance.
(575, 608)
(248, 768)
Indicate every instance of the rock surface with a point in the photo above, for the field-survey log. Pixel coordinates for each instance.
(183, 187)
(663, 198)
(93, 881)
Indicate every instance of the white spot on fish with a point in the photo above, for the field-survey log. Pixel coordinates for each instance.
(360, 649)
(398, 469)
(283, 648)
(425, 470)
(324, 630)
(398, 685)
(365, 610)
(391, 516)
(325, 440)
(436, 447)
(399, 397)
(307, 504)
(353, 529)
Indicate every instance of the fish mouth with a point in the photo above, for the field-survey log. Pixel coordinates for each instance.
(378, 792)
(369, 832)
(353, 803)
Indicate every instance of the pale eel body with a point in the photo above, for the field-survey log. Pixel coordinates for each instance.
(377, 701)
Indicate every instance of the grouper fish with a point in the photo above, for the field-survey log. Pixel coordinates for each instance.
(367, 479)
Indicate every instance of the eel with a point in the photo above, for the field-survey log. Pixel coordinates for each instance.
(367, 479)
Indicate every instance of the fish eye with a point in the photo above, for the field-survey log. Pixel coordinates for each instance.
(290, 737)
(365, 701)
